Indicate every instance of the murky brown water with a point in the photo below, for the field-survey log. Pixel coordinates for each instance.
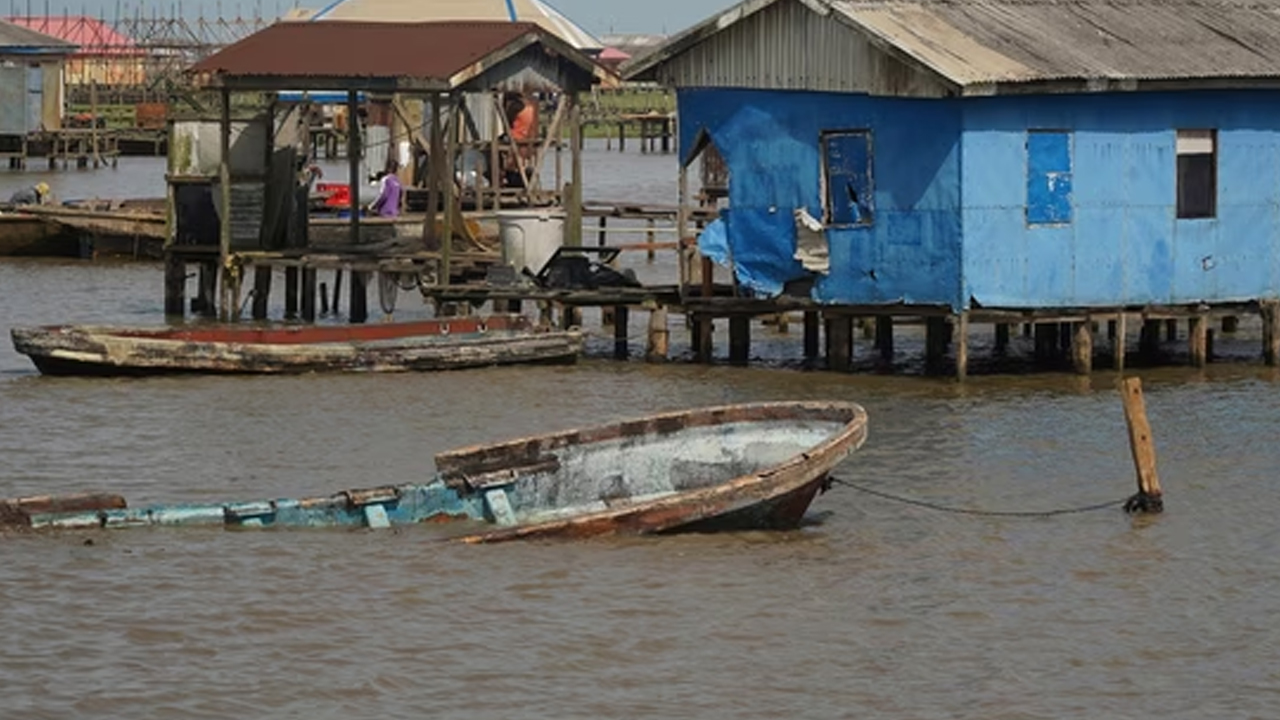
(878, 609)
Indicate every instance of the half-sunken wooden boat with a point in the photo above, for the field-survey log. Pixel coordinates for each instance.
(442, 344)
(738, 467)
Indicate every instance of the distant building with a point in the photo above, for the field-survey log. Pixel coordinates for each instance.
(633, 45)
(1004, 153)
(31, 83)
(533, 11)
(104, 56)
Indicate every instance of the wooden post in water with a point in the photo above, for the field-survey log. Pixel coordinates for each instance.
(224, 218)
(261, 291)
(810, 335)
(1198, 341)
(739, 339)
(290, 293)
(1117, 343)
(621, 319)
(659, 336)
(1002, 338)
(309, 294)
(1149, 498)
(884, 338)
(840, 343)
(1270, 331)
(1082, 348)
(175, 285)
(962, 346)
(935, 343)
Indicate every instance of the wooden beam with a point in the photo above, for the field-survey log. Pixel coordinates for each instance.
(573, 199)
(224, 218)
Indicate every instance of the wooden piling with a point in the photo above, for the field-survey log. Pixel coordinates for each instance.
(1171, 330)
(1270, 310)
(1082, 348)
(358, 305)
(935, 343)
(1197, 341)
(308, 299)
(1150, 495)
(324, 298)
(1118, 343)
(961, 335)
(659, 336)
(884, 338)
(811, 335)
(1149, 341)
(1046, 341)
(621, 320)
(207, 282)
(840, 343)
(337, 291)
(175, 285)
(1002, 338)
(291, 293)
(261, 291)
(739, 339)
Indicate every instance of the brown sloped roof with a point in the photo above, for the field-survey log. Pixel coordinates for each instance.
(430, 54)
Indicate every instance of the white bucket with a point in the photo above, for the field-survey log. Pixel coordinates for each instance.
(530, 237)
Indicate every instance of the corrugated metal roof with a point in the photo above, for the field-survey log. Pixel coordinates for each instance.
(16, 38)
(979, 46)
(430, 54)
(533, 11)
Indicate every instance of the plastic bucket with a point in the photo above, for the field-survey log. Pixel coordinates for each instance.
(530, 237)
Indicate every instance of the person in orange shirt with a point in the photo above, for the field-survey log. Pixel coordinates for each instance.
(522, 118)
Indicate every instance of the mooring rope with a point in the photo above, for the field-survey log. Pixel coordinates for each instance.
(971, 511)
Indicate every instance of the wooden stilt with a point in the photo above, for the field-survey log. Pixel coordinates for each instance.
(261, 291)
(811, 335)
(175, 286)
(840, 343)
(739, 339)
(1150, 497)
(1149, 341)
(207, 282)
(1271, 332)
(1118, 344)
(1197, 341)
(659, 336)
(358, 305)
(291, 293)
(1082, 348)
(961, 336)
(308, 299)
(1171, 330)
(337, 291)
(621, 316)
(1002, 338)
(1046, 342)
(935, 343)
(884, 338)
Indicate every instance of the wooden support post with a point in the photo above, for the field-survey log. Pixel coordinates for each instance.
(353, 169)
(337, 291)
(935, 343)
(358, 306)
(451, 202)
(704, 338)
(811, 335)
(1082, 348)
(207, 289)
(1270, 310)
(572, 198)
(1046, 340)
(622, 318)
(962, 346)
(659, 336)
(1171, 330)
(261, 291)
(622, 136)
(884, 338)
(175, 286)
(1118, 343)
(1150, 498)
(291, 293)
(1002, 338)
(324, 298)
(1197, 341)
(1149, 341)
(224, 218)
(840, 343)
(739, 339)
(309, 294)
(430, 236)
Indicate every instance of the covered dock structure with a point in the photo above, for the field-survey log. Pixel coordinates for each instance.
(238, 184)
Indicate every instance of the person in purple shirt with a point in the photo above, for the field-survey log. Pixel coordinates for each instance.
(388, 202)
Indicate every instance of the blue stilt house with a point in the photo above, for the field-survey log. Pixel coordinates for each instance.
(990, 153)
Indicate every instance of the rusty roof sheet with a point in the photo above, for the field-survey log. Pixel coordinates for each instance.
(975, 44)
(985, 41)
(433, 52)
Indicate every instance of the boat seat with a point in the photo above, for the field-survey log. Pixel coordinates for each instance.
(482, 481)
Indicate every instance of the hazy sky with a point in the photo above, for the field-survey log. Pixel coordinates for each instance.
(597, 16)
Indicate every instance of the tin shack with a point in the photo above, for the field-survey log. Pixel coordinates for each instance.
(1030, 161)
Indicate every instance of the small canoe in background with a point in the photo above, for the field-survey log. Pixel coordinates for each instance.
(442, 344)
(736, 467)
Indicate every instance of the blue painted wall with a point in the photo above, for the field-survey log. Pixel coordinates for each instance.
(1124, 243)
(771, 140)
(952, 183)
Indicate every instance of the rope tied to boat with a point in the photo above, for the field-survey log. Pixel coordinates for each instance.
(974, 511)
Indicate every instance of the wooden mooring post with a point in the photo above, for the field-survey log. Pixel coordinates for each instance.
(1149, 498)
